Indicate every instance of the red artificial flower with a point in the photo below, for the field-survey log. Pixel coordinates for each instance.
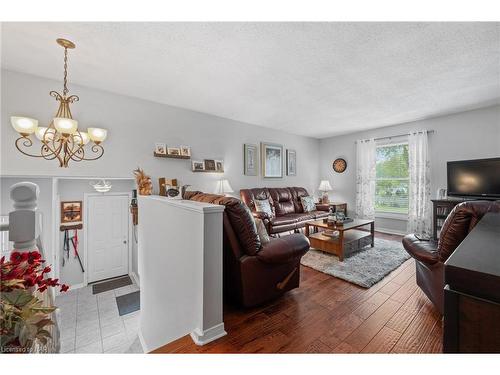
(24, 256)
(33, 257)
(30, 280)
(46, 270)
(64, 288)
(15, 257)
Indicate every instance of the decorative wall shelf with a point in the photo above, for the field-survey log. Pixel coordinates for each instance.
(171, 156)
(196, 171)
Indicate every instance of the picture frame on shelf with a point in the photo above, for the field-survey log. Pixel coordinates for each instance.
(219, 166)
(251, 159)
(160, 148)
(185, 151)
(272, 160)
(198, 165)
(210, 165)
(174, 151)
(291, 162)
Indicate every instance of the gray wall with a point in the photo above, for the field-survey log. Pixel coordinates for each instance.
(466, 135)
(134, 126)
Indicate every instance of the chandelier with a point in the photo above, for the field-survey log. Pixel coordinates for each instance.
(61, 140)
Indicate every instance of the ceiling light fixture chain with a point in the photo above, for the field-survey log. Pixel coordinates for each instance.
(61, 139)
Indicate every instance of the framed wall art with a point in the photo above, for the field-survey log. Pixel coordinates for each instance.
(71, 212)
(272, 160)
(291, 163)
(250, 159)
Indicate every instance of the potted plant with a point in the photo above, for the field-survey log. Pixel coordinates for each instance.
(23, 318)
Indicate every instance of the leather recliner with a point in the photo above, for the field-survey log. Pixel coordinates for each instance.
(254, 273)
(431, 255)
(286, 206)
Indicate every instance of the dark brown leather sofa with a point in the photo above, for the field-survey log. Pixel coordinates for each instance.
(431, 255)
(254, 273)
(286, 206)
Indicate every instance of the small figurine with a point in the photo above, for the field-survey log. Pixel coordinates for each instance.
(144, 184)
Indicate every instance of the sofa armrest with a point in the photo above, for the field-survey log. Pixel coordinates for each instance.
(285, 249)
(423, 251)
(322, 207)
(261, 215)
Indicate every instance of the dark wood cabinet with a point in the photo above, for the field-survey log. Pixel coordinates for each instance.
(472, 291)
(441, 208)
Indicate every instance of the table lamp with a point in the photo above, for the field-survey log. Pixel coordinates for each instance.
(224, 187)
(324, 187)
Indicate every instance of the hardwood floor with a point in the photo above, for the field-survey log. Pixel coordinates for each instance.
(330, 315)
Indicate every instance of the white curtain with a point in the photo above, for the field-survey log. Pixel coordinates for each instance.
(419, 212)
(365, 178)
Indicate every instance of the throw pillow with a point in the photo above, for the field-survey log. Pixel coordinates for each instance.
(262, 231)
(262, 205)
(308, 204)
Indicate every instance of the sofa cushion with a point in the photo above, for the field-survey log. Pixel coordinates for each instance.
(263, 205)
(284, 220)
(240, 217)
(297, 194)
(308, 204)
(282, 200)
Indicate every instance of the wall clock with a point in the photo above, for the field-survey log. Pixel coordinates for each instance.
(339, 165)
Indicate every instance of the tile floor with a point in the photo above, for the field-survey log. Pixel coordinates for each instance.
(89, 323)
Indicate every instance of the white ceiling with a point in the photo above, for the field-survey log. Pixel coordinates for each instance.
(314, 79)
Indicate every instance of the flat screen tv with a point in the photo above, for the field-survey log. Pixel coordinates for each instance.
(474, 178)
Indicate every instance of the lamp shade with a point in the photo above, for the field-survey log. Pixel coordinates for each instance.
(45, 134)
(97, 135)
(65, 125)
(224, 187)
(325, 186)
(81, 138)
(24, 125)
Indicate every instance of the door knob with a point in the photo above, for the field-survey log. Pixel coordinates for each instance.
(125, 241)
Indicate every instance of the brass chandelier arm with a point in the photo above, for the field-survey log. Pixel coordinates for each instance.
(26, 142)
(96, 149)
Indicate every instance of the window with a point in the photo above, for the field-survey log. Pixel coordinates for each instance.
(392, 183)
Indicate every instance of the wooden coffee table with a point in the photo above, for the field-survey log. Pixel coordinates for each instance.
(349, 239)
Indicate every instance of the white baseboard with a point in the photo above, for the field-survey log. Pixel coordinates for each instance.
(208, 335)
(389, 231)
(136, 279)
(145, 348)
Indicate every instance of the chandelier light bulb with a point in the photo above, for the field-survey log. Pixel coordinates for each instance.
(97, 135)
(65, 125)
(24, 125)
(45, 134)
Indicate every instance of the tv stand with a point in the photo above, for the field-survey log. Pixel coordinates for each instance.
(441, 208)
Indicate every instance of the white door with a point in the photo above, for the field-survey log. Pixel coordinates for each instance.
(107, 236)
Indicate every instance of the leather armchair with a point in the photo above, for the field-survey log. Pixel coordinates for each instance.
(254, 273)
(431, 255)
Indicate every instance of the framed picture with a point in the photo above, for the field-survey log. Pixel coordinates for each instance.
(198, 165)
(219, 165)
(161, 148)
(174, 151)
(291, 162)
(185, 151)
(250, 156)
(210, 165)
(272, 160)
(71, 211)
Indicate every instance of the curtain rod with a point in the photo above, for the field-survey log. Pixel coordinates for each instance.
(396, 136)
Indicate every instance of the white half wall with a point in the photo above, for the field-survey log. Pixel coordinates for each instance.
(466, 135)
(134, 125)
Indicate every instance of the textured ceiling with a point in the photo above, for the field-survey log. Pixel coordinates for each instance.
(314, 79)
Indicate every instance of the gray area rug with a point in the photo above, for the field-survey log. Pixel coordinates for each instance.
(365, 267)
(128, 303)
